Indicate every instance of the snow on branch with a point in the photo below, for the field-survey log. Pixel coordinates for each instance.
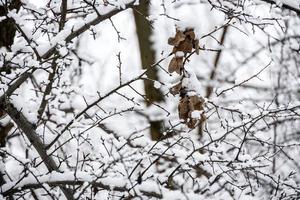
(93, 19)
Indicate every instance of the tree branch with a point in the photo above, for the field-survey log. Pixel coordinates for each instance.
(86, 27)
(50, 52)
(286, 5)
(95, 184)
(29, 130)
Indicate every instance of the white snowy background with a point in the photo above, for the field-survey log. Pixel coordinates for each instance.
(81, 84)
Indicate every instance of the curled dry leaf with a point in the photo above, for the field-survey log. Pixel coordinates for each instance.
(184, 41)
(176, 65)
(179, 37)
(192, 123)
(183, 108)
(196, 102)
(185, 46)
(190, 33)
(176, 89)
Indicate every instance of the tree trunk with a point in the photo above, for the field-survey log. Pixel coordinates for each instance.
(147, 54)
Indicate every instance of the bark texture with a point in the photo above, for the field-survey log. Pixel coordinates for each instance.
(147, 54)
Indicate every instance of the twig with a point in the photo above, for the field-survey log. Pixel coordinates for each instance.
(241, 83)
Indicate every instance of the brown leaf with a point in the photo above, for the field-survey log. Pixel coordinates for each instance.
(190, 33)
(186, 107)
(192, 123)
(179, 37)
(185, 46)
(175, 49)
(196, 102)
(171, 41)
(176, 65)
(183, 108)
(175, 89)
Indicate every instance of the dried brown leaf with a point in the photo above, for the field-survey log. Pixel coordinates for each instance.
(176, 65)
(196, 102)
(176, 89)
(179, 37)
(171, 41)
(186, 107)
(183, 108)
(185, 46)
(190, 33)
(192, 123)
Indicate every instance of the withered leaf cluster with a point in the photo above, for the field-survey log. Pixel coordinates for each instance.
(185, 42)
(187, 105)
